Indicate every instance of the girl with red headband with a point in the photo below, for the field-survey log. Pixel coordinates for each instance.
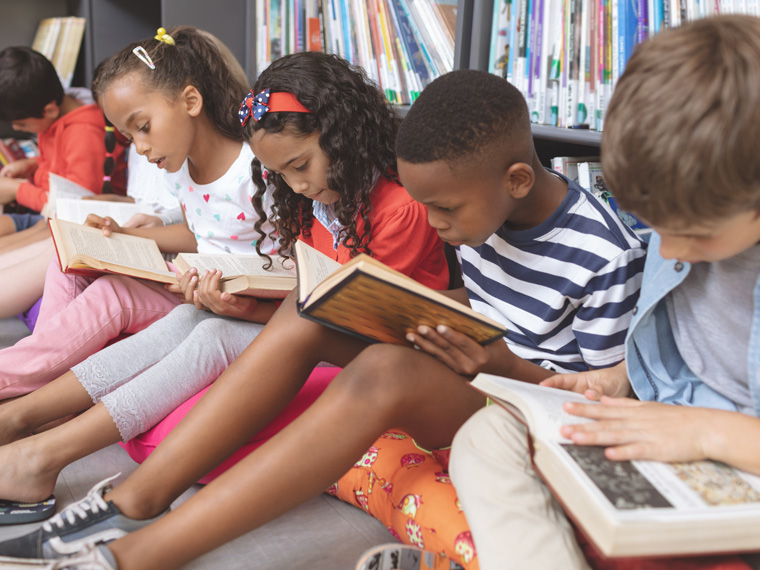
(331, 186)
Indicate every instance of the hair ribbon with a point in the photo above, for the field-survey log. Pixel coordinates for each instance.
(256, 106)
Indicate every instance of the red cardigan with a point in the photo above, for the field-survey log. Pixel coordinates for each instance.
(401, 237)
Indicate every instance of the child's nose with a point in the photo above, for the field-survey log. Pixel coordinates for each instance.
(142, 148)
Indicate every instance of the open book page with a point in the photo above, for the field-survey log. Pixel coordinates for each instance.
(76, 210)
(313, 267)
(61, 187)
(633, 487)
(119, 249)
(540, 406)
(232, 265)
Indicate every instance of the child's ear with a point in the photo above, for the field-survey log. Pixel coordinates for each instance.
(193, 100)
(51, 111)
(519, 179)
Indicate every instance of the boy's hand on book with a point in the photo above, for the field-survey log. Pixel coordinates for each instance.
(456, 350)
(632, 429)
(209, 295)
(107, 225)
(593, 384)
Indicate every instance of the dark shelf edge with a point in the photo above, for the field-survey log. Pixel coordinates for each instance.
(576, 136)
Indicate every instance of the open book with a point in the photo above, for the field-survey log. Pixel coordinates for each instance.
(632, 508)
(370, 300)
(65, 202)
(244, 274)
(83, 250)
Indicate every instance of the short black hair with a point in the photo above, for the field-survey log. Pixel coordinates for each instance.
(462, 116)
(28, 82)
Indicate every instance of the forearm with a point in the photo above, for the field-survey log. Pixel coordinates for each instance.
(261, 313)
(519, 369)
(170, 239)
(733, 438)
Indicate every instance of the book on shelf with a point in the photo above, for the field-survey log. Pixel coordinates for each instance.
(565, 56)
(59, 40)
(401, 44)
(244, 274)
(84, 250)
(368, 299)
(631, 508)
(10, 150)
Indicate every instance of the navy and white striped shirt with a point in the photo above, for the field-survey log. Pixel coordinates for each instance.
(564, 289)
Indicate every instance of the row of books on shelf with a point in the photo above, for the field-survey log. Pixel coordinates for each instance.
(566, 56)
(401, 44)
(587, 172)
(59, 40)
(14, 149)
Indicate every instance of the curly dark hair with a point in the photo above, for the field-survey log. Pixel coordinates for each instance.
(463, 116)
(357, 128)
(195, 60)
(28, 82)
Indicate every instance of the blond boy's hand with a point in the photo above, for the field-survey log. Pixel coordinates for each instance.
(631, 429)
(593, 384)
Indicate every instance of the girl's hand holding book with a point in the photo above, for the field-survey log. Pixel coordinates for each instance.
(208, 295)
(107, 225)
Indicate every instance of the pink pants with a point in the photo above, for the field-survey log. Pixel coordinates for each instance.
(78, 317)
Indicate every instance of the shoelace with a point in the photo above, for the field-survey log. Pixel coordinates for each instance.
(92, 502)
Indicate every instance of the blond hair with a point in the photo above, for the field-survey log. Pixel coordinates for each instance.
(683, 126)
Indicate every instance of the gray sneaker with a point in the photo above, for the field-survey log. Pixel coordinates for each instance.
(88, 522)
(91, 558)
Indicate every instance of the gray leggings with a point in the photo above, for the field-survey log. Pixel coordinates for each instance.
(142, 378)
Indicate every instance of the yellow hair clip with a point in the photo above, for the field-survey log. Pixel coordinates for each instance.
(162, 36)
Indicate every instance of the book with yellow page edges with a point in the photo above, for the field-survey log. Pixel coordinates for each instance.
(631, 508)
(368, 299)
(84, 250)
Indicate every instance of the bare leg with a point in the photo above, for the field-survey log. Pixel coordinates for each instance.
(31, 466)
(58, 399)
(22, 273)
(385, 387)
(243, 400)
(15, 240)
(7, 226)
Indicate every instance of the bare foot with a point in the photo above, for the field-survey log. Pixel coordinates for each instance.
(27, 474)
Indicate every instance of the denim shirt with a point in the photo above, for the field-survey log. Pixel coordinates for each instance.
(655, 367)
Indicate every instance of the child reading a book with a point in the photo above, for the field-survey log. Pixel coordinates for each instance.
(186, 127)
(364, 209)
(70, 134)
(691, 354)
(465, 151)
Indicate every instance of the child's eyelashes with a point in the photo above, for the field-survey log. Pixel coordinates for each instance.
(301, 168)
(145, 128)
